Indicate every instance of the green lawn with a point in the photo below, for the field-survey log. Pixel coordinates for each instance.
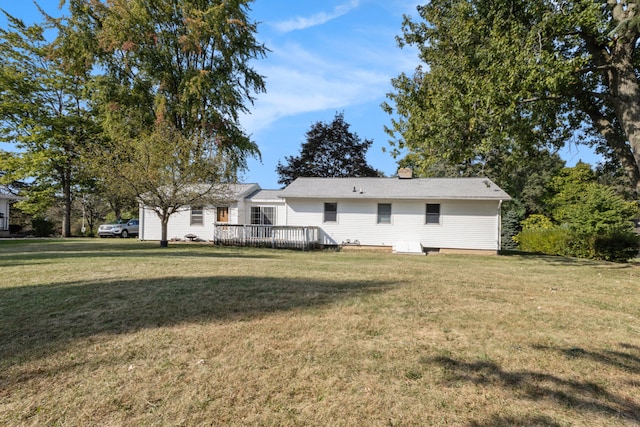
(120, 332)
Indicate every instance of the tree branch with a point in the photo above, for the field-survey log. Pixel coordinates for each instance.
(541, 98)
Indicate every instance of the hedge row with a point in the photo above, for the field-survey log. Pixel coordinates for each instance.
(615, 245)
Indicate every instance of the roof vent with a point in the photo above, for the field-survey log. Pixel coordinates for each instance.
(405, 173)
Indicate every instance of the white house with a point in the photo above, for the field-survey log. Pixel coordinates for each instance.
(445, 214)
(198, 221)
(436, 213)
(6, 198)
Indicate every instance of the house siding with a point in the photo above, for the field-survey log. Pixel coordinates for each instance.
(463, 224)
(179, 224)
(4, 217)
(235, 214)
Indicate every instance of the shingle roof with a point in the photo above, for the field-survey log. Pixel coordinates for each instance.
(6, 194)
(270, 195)
(395, 188)
(238, 191)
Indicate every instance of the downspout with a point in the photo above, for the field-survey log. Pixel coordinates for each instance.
(499, 225)
(141, 224)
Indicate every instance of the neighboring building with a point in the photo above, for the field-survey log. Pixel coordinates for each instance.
(447, 214)
(6, 198)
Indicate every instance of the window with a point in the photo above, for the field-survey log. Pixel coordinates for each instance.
(330, 212)
(433, 213)
(384, 213)
(222, 214)
(197, 216)
(262, 215)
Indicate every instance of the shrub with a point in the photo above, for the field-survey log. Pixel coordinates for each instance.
(537, 221)
(550, 241)
(618, 246)
(42, 227)
(587, 220)
(597, 210)
(580, 245)
(615, 245)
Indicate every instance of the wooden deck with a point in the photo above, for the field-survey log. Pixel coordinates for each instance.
(267, 236)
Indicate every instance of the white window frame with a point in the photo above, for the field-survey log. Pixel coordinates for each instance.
(262, 212)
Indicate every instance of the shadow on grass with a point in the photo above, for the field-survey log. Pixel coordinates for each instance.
(39, 320)
(623, 360)
(42, 251)
(569, 261)
(502, 421)
(583, 396)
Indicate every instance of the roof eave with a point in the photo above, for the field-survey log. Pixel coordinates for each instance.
(503, 198)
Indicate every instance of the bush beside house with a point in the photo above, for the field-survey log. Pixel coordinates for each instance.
(598, 224)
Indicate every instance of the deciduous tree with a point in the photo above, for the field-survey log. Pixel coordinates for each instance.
(44, 113)
(518, 76)
(177, 75)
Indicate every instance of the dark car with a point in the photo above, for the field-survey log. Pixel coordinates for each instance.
(124, 229)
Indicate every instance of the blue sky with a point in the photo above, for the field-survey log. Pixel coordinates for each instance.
(326, 56)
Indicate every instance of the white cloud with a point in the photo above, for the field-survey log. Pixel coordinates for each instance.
(300, 81)
(348, 69)
(300, 23)
(292, 92)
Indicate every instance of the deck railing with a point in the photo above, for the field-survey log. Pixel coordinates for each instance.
(270, 236)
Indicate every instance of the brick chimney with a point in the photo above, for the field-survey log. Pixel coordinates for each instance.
(405, 173)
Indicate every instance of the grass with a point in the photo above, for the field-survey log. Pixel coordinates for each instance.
(120, 332)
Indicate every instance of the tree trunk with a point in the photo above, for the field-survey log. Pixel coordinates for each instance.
(164, 220)
(626, 103)
(616, 141)
(66, 193)
(619, 74)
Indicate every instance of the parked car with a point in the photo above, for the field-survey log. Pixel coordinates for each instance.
(123, 228)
